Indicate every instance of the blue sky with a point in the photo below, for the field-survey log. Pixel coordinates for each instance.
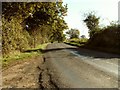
(106, 9)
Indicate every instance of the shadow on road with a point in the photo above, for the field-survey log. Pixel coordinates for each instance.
(79, 51)
(95, 54)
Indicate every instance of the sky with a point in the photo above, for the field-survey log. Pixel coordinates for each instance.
(107, 10)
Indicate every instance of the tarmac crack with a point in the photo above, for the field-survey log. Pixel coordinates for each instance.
(45, 78)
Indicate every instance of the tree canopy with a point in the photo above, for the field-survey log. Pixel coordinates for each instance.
(92, 22)
(73, 33)
(27, 24)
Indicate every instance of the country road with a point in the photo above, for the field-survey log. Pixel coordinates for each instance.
(71, 67)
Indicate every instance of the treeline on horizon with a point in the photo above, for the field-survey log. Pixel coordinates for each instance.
(28, 24)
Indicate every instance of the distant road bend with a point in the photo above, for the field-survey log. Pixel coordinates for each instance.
(72, 67)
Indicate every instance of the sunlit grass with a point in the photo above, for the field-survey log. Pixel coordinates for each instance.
(23, 55)
(77, 42)
(41, 46)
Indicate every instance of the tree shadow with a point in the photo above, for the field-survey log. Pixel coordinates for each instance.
(79, 51)
(82, 50)
(95, 54)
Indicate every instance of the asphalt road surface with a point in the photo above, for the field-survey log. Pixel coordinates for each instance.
(72, 67)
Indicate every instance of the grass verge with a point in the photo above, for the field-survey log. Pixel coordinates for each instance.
(23, 55)
(76, 41)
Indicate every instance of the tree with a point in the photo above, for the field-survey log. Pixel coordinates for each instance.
(27, 24)
(92, 22)
(83, 36)
(52, 16)
(73, 33)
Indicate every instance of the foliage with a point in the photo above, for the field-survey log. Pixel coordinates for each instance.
(48, 16)
(77, 41)
(83, 36)
(27, 24)
(73, 33)
(13, 37)
(23, 55)
(108, 38)
(92, 22)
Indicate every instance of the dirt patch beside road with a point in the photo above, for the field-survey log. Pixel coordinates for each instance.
(22, 74)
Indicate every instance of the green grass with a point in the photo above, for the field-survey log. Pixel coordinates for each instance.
(23, 55)
(77, 42)
(42, 46)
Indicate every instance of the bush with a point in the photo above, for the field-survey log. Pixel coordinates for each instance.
(108, 37)
(13, 37)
